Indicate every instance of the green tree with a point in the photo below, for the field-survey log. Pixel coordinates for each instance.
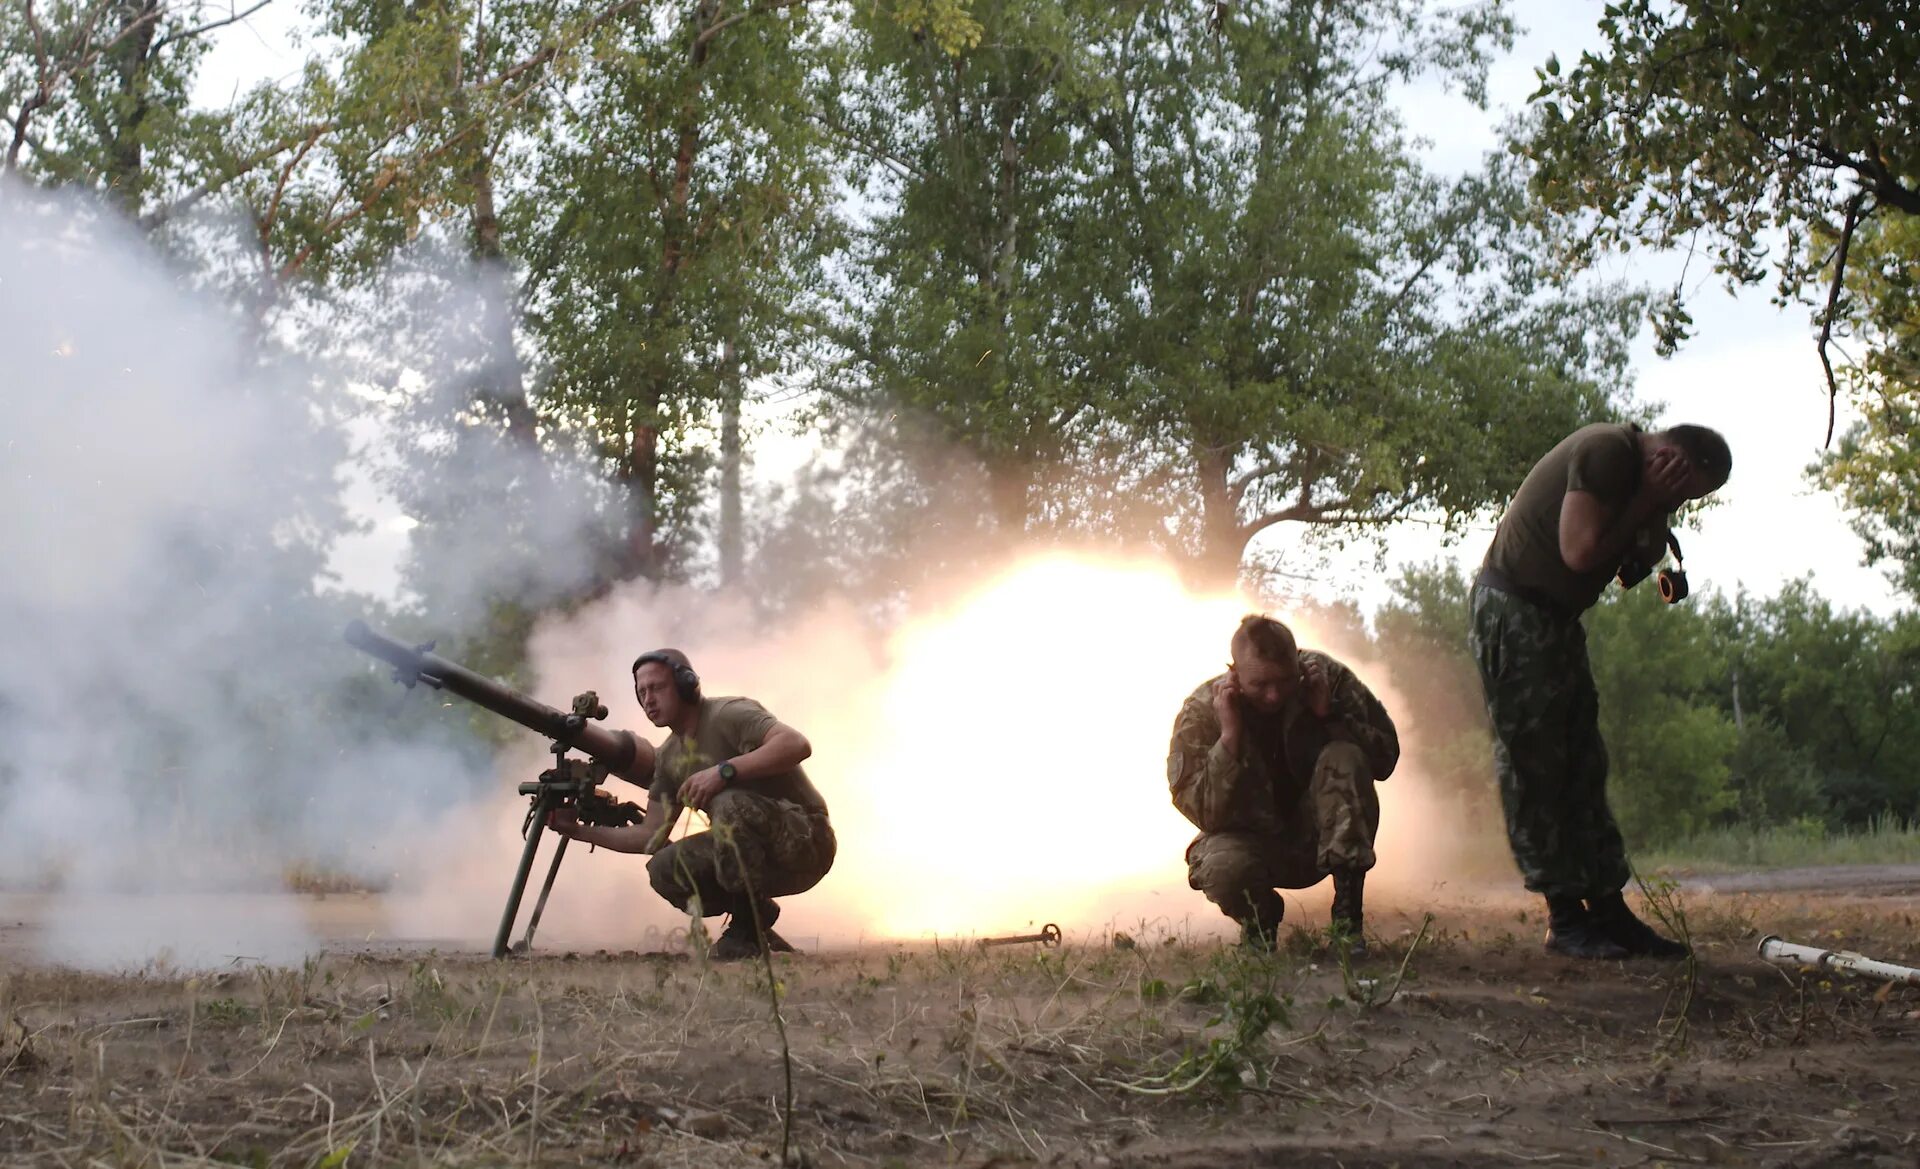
(1730, 121)
(675, 246)
(1658, 670)
(1303, 324)
(1772, 780)
(955, 307)
(1421, 634)
(1843, 687)
(1779, 137)
(1178, 275)
(1876, 468)
(95, 93)
(374, 185)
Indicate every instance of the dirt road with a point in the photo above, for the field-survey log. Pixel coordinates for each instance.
(1875, 881)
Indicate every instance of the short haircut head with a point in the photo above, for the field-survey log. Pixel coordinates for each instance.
(672, 659)
(1265, 638)
(1706, 449)
(684, 677)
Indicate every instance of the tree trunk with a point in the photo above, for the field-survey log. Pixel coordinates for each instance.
(643, 485)
(643, 455)
(1008, 483)
(732, 538)
(126, 157)
(1221, 538)
(502, 380)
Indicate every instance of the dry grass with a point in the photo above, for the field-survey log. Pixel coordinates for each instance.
(954, 1055)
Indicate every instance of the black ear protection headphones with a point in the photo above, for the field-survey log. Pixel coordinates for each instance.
(684, 679)
(1672, 582)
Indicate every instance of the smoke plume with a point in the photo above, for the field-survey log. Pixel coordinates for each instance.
(179, 713)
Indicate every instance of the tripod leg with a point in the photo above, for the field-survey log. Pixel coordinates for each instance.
(541, 806)
(540, 905)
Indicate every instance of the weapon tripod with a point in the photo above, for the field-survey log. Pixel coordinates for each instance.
(569, 783)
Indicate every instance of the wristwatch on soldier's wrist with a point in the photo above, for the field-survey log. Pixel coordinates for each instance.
(728, 771)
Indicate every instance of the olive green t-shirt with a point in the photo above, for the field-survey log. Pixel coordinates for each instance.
(1602, 459)
(729, 727)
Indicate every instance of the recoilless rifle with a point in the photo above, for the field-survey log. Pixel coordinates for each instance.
(570, 783)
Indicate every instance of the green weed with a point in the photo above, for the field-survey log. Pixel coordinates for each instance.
(1886, 840)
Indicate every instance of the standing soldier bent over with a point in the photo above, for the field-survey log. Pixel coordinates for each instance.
(1598, 500)
(1275, 761)
(729, 758)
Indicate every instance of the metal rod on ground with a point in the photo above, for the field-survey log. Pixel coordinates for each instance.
(1782, 952)
(540, 905)
(1049, 935)
(537, 824)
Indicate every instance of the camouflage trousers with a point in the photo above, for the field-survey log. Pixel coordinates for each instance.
(1331, 826)
(758, 849)
(1547, 751)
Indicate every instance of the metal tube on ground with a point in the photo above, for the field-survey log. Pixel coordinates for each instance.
(1779, 951)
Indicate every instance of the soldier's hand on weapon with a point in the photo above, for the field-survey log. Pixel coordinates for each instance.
(701, 787)
(1313, 680)
(565, 821)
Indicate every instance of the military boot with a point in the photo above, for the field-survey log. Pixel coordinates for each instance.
(1348, 916)
(741, 940)
(1634, 936)
(1260, 929)
(1573, 932)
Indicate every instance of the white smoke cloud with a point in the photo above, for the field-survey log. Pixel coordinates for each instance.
(171, 684)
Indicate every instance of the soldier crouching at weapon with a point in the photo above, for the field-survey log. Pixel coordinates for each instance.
(729, 758)
(1275, 761)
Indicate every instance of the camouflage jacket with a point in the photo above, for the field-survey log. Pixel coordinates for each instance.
(1221, 793)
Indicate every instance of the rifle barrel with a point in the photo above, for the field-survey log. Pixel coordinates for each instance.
(410, 664)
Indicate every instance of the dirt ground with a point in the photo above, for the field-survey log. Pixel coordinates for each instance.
(1161, 1051)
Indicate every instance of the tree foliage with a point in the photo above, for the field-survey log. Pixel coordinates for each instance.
(1668, 738)
(1876, 466)
(674, 248)
(1733, 121)
(1188, 262)
(956, 305)
(1769, 711)
(1779, 138)
(95, 94)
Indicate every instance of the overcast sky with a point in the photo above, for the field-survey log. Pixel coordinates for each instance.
(1750, 369)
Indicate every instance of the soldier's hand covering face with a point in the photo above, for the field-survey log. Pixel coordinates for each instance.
(1319, 690)
(1226, 703)
(1669, 475)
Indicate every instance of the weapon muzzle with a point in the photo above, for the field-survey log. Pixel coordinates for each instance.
(412, 664)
